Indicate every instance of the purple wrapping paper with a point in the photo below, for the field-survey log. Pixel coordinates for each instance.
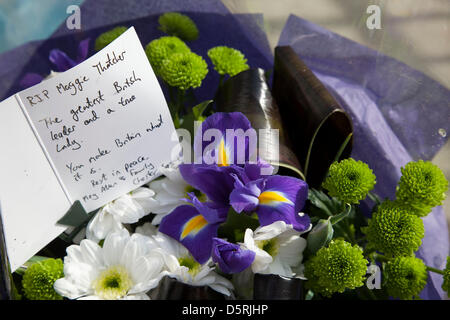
(396, 113)
(383, 110)
(221, 28)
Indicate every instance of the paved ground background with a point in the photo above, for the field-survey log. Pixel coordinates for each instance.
(416, 32)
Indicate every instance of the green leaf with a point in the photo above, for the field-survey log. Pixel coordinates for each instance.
(309, 295)
(320, 235)
(28, 264)
(199, 109)
(234, 228)
(196, 114)
(336, 218)
(319, 199)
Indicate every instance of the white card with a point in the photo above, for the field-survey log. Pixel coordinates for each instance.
(105, 129)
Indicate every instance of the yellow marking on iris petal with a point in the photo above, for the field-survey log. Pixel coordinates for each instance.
(223, 159)
(194, 225)
(272, 197)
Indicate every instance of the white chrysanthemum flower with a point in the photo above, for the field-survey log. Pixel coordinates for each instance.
(170, 190)
(129, 208)
(125, 268)
(278, 248)
(180, 264)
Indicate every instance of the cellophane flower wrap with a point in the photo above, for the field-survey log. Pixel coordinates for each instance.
(225, 217)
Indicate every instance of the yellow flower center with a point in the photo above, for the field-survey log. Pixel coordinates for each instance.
(223, 159)
(200, 195)
(270, 246)
(190, 263)
(269, 198)
(113, 283)
(194, 225)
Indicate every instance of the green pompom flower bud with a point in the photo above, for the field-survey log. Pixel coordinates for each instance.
(405, 277)
(349, 180)
(422, 186)
(39, 278)
(446, 283)
(393, 231)
(227, 60)
(335, 268)
(163, 48)
(184, 70)
(106, 38)
(178, 25)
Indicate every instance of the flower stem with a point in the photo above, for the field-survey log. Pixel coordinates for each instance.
(374, 197)
(380, 257)
(221, 79)
(435, 270)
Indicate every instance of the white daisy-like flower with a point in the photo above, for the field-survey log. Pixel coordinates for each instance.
(180, 264)
(170, 190)
(278, 248)
(127, 209)
(125, 268)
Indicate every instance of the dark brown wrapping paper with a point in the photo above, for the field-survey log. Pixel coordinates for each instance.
(172, 289)
(308, 111)
(249, 93)
(275, 287)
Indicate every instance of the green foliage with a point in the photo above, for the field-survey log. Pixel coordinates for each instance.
(106, 38)
(422, 186)
(227, 60)
(195, 114)
(39, 278)
(234, 228)
(393, 231)
(178, 25)
(349, 180)
(320, 235)
(446, 283)
(336, 268)
(405, 277)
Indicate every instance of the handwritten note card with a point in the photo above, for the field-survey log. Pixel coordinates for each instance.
(104, 124)
(92, 133)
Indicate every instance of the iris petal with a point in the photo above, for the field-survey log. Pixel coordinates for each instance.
(223, 121)
(195, 231)
(214, 181)
(61, 60)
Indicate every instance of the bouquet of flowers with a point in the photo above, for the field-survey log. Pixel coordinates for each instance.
(229, 222)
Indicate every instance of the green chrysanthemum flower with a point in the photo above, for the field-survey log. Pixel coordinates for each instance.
(349, 180)
(178, 25)
(106, 38)
(163, 48)
(446, 283)
(393, 231)
(227, 60)
(422, 186)
(405, 277)
(39, 278)
(335, 268)
(184, 70)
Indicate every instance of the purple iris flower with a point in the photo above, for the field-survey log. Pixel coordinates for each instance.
(223, 149)
(195, 225)
(61, 61)
(273, 198)
(231, 257)
(224, 139)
